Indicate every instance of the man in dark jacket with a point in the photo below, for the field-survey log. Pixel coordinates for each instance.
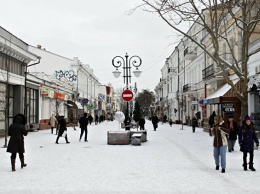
(83, 122)
(155, 121)
(141, 123)
(90, 119)
(127, 122)
(17, 132)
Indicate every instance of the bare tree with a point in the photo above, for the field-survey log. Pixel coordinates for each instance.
(214, 18)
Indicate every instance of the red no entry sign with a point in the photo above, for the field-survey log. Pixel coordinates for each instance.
(127, 95)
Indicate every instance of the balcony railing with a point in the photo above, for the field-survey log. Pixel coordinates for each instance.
(210, 71)
(189, 88)
(190, 53)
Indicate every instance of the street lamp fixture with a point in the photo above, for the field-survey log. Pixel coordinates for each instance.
(126, 63)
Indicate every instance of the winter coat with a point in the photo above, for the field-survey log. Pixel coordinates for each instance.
(142, 122)
(155, 120)
(63, 126)
(53, 121)
(194, 122)
(83, 122)
(220, 138)
(233, 132)
(246, 137)
(90, 118)
(17, 132)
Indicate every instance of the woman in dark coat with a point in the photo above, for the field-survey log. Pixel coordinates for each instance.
(246, 138)
(17, 132)
(63, 128)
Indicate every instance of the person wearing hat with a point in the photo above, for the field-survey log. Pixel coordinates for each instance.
(232, 137)
(219, 131)
(246, 138)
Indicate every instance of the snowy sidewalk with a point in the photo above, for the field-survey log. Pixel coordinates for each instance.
(172, 161)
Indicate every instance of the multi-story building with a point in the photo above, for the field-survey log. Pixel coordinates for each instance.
(14, 59)
(195, 84)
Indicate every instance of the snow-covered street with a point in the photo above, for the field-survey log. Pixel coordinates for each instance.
(172, 161)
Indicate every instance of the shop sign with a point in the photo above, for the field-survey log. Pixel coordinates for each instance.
(205, 101)
(228, 107)
(66, 97)
(45, 92)
(194, 102)
(51, 93)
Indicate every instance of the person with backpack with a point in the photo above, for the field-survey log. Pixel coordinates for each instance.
(246, 139)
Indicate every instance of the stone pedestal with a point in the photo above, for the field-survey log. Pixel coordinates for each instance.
(118, 137)
(143, 132)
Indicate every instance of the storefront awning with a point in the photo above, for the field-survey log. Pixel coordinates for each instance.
(222, 91)
(74, 104)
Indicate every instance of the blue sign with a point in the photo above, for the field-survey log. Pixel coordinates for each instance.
(205, 101)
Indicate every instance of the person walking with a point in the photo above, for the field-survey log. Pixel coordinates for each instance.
(246, 138)
(211, 121)
(62, 130)
(127, 123)
(83, 122)
(53, 122)
(194, 123)
(90, 119)
(170, 122)
(96, 120)
(155, 121)
(232, 137)
(17, 131)
(219, 131)
(142, 123)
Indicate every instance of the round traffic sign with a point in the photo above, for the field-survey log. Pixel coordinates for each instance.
(127, 95)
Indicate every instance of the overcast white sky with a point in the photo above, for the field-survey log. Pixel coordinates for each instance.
(95, 31)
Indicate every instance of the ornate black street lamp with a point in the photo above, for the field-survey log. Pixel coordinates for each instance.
(126, 63)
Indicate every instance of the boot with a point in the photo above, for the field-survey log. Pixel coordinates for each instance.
(66, 138)
(22, 163)
(251, 167)
(13, 164)
(57, 140)
(217, 167)
(245, 167)
(223, 170)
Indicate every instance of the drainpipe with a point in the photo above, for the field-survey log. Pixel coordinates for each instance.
(25, 86)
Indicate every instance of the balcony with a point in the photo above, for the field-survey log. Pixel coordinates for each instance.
(189, 89)
(172, 70)
(212, 73)
(190, 53)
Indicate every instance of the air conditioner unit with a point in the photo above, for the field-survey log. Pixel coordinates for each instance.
(257, 70)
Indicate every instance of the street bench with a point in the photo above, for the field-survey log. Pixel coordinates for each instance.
(136, 139)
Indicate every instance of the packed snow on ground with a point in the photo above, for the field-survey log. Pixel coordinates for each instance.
(171, 161)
